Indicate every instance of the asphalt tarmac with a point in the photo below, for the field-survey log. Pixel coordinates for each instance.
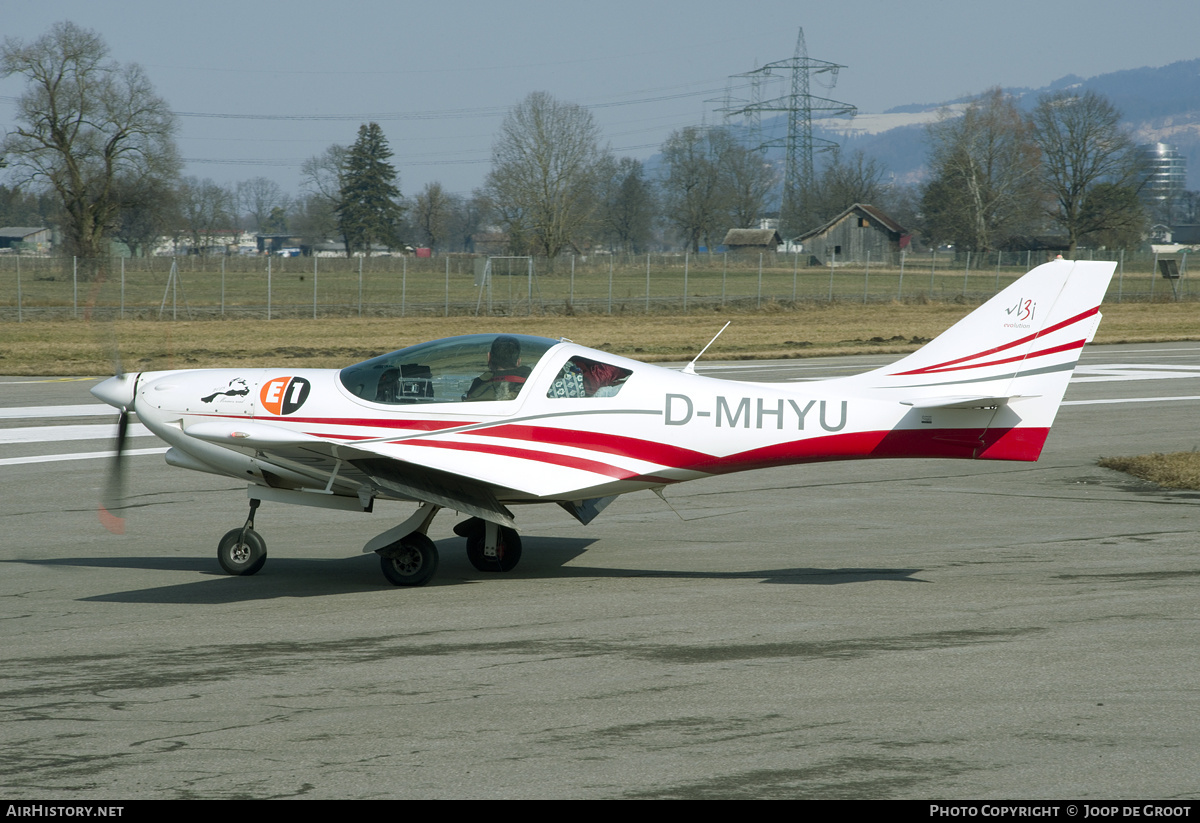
(876, 629)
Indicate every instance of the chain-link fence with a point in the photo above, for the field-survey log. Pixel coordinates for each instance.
(195, 287)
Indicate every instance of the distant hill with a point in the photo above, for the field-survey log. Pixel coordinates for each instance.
(1159, 105)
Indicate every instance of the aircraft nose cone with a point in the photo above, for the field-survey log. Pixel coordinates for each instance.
(117, 391)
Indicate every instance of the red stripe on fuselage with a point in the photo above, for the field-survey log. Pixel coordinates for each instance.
(565, 460)
(635, 447)
(983, 444)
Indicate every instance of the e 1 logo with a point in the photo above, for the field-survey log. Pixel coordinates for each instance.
(284, 395)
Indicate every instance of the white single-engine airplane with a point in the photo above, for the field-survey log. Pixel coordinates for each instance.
(483, 422)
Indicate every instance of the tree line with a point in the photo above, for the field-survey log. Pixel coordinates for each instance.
(93, 153)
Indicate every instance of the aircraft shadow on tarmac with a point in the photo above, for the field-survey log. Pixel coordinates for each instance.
(544, 558)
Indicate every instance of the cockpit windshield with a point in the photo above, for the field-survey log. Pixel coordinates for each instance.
(472, 367)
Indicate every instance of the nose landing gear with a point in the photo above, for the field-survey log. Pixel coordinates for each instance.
(243, 551)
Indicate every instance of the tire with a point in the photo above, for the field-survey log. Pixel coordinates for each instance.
(508, 551)
(410, 561)
(240, 555)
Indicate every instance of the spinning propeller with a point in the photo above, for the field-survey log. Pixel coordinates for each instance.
(118, 392)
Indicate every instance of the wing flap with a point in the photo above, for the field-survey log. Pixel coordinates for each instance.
(447, 491)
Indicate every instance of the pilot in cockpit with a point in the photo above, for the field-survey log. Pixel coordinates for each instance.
(505, 374)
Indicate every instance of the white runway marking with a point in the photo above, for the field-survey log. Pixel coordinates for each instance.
(1122, 372)
(52, 434)
(1128, 400)
(42, 412)
(53, 458)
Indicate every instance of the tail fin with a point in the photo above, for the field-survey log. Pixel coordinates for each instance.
(1007, 363)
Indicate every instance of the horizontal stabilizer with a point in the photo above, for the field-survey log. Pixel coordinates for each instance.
(964, 402)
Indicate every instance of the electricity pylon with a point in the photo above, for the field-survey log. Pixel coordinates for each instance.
(800, 106)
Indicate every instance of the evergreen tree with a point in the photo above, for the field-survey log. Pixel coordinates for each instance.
(369, 210)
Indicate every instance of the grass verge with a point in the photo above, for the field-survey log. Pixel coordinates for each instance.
(1180, 470)
(70, 347)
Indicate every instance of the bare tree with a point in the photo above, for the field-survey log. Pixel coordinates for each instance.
(985, 185)
(546, 166)
(711, 182)
(691, 186)
(207, 210)
(627, 208)
(149, 210)
(85, 123)
(747, 179)
(432, 213)
(843, 182)
(466, 220)
(315, 213)
(1083, 145)
(1113, 216)
(258, 198)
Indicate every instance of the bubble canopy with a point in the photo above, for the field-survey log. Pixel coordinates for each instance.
(440, 371)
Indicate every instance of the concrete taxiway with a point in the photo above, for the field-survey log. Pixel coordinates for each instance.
(886, 629)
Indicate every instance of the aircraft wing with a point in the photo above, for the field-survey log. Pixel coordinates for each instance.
(357, 465)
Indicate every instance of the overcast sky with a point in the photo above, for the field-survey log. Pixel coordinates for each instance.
(438, 76)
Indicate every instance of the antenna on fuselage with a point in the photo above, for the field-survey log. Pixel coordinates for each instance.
(690, 368)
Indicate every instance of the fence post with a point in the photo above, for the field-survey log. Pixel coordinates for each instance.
(571, 297)
(610, 279)
(647, 282)
(760, 259)
(932, 265)
(686, 261)
(222, 286)
(900, 289)
(314, 257)
(75, 287)
(1121, 276)
(360, 287)
(122, 288)
(795, 272)
(1183, 274)
(403, 284)
(724, 274)
(966, 271)
(530, 312)
(447, 314)
(832, 260)
(19, 318)
(268, 282)
(1153, 275)
(866, 277)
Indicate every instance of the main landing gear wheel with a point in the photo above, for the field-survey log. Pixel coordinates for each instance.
(508, 551)
(410, 561)
(242, 551)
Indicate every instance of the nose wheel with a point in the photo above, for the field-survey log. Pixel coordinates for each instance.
(243, 551)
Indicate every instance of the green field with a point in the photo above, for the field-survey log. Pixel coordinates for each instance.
(197, 287)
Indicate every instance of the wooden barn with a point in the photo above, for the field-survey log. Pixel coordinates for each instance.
(858, 230)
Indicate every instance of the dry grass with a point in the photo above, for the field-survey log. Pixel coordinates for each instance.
(1180, 470)
(86, 348)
